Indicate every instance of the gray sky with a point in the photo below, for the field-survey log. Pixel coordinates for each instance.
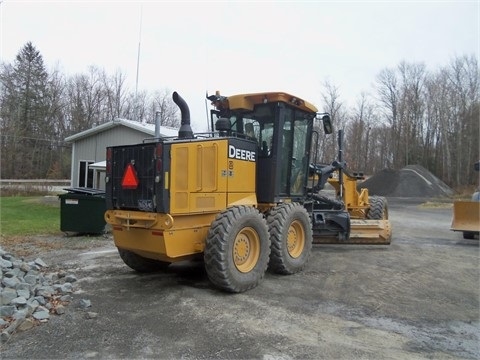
(235, 47)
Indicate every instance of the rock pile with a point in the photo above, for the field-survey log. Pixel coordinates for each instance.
(29, 293)
(411, 181)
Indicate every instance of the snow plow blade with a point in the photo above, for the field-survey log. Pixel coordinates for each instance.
(466, 216)
(363, 232)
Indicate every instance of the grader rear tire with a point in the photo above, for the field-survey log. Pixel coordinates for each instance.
(237, 248)
(140, 263)
(378, 208)
(291, 236)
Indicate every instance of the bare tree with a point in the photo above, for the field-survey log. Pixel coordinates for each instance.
(136, 107)
(437, 152)
(328, 146)
(163, 103)
(463, 80)
(411, 112)
(114, 95)
(86, 95)
(57, 154)
(388, 95)
(361, 121)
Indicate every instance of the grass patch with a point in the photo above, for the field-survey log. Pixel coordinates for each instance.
(21, 216)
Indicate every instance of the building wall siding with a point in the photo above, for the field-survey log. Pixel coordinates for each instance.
(93, 148)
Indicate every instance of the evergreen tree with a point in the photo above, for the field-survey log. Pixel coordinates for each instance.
(25, 114)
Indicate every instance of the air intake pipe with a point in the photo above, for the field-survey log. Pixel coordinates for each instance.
(185, 131)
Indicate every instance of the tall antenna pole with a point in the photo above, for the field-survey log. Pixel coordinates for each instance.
(138, 53)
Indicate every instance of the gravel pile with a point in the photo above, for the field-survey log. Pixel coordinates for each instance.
(411, 181)
(29, 293)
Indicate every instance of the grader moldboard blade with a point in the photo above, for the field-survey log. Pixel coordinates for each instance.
(466, 216)
(363, 232)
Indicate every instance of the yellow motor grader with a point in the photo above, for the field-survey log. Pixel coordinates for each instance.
(241, 196)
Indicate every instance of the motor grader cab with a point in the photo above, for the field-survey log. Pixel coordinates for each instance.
(238, 196)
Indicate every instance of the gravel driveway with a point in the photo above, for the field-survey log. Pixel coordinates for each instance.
(417, 298)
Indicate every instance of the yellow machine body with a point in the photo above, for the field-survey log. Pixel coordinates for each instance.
(202, 182)
(356, 202)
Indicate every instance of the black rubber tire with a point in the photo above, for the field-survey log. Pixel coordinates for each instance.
(291, 237)
(140, 263)
(237, 231)
(378, 208)
(468, 235)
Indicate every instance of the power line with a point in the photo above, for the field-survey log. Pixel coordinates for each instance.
(57, 142)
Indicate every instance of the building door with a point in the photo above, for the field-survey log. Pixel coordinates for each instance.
(85, 174)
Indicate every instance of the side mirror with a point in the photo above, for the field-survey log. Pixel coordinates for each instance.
(327, 124)
(223, 126)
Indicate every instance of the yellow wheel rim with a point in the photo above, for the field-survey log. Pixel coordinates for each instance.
(295, 239)
(246, 249)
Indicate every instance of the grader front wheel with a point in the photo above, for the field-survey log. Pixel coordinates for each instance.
(237, 249)
(378, 208)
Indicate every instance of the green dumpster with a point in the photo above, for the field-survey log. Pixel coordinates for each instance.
(81, 211)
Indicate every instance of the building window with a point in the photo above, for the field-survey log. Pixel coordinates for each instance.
(85, 174)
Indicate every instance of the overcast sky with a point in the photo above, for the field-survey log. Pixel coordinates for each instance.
(236, 47)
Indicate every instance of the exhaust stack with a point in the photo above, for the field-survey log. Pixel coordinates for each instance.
(185, 131)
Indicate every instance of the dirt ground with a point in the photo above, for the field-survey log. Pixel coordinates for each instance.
(415, 299)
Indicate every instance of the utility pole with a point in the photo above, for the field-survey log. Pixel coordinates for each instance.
(138, 52)
(138, 64)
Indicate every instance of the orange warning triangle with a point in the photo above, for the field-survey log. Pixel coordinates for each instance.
(130, 179)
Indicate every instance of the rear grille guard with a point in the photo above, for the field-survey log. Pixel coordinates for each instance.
(141, 198)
